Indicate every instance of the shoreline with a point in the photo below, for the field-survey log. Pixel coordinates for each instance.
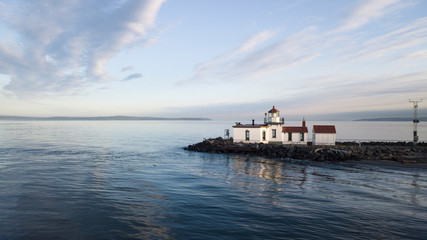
(378, 153)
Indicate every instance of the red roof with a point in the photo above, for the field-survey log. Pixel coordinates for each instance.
(324, 129)
(294, 129)
(273, 110)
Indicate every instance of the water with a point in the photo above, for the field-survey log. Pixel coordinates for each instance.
(132, 180)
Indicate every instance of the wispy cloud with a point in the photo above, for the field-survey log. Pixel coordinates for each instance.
(253, 58)
(132, 76)
(64, 46)
(253, 42)
(417, 55)
(330, 94)
(353, 92)
(367, 11)
(270, 51)
(128, 68)
(222, 65)
(413, 34)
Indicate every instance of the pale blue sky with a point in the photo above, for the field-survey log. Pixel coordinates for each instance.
(217, 59)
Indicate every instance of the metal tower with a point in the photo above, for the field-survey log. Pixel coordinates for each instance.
(415, 120)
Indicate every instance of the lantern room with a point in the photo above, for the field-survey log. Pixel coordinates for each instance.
(273, 117)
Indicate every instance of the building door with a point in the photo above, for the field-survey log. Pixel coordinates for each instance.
(263, 135)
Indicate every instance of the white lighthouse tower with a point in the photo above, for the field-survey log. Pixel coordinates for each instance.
(274, 126)
(273, 117)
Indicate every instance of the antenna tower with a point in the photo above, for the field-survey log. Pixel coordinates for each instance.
(415, 120)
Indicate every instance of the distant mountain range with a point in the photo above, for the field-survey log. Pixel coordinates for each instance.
(395, 119)
(109, 118)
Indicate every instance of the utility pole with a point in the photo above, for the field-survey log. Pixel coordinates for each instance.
(415, 120)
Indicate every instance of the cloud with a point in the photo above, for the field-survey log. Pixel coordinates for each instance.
(62, 47)
(343, 93)
(411, 35)
(247, 46)
(365, 12)
(132, 76)
(353, 92)
(417, 55)
(253, 59)
(270, 52)
(253, 42)
(127, 68)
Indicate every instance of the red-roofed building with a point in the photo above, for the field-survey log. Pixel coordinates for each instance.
(295, 135)
(324, 134)
(272, 131)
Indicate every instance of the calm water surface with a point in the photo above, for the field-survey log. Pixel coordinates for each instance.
(132, 180)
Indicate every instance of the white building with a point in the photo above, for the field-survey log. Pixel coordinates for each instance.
(272, 131)
(295, 135)
(324, 135)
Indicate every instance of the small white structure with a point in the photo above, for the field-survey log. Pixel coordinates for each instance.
(324, 135)
(295, 135)
(250, 133)
(272, 131)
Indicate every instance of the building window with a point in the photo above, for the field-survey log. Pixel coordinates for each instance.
(290, 137)
(273, 133)
(302, 137)
(263, 135)
(247, 135)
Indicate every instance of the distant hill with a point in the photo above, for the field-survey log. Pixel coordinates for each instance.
(109, 118)
(406, 119)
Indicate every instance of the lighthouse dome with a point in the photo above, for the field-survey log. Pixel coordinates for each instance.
(274, 110)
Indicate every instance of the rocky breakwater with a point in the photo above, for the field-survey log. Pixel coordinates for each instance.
(400, 152)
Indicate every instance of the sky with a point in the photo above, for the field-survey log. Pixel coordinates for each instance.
(219, 59)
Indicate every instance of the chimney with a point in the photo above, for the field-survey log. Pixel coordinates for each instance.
(303, 122)
(253, 122)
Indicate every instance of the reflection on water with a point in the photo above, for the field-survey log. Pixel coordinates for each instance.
(278, 172)
(360, 180)
(268, 169)
(124, 181)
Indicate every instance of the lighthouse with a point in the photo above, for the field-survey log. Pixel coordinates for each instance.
(272, 131)
(273, 117)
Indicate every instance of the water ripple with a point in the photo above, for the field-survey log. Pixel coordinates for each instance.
(122, 181)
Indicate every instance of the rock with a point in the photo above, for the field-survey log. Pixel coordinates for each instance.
(342, 152)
